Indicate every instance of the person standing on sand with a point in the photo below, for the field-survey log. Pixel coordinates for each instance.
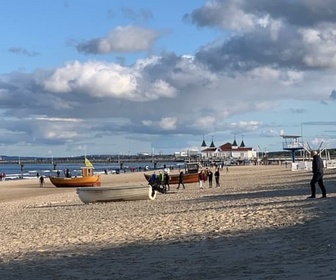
(161, 178)
(317, 175)
(41, 181)
(166, 181)
(217, 178)
(201, 179)
(180, 182)
(153, 179)
(210, 175)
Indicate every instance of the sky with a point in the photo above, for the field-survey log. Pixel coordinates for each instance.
(127, 76)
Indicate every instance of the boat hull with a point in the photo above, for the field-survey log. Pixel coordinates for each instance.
(75, 182)
(188, 178)
(110, 194)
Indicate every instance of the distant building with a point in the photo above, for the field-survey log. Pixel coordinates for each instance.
(193, 152)
(143, 154)
(181, 154)
(187, 153)
(228, 151)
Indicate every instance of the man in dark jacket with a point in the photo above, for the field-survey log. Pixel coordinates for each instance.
(180, 181)
(317, 175)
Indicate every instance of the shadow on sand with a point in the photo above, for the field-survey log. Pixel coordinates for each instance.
(303, 251)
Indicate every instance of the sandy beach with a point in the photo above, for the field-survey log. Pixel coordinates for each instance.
(258, 225)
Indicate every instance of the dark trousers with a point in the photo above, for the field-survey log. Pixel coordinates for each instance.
(317, 178)
(180, 183)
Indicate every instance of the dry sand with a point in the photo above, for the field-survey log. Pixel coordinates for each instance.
(257, 225)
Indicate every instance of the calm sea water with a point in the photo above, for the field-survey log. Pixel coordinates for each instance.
(30, 171)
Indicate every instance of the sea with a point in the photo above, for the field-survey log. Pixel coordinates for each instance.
(32, 171)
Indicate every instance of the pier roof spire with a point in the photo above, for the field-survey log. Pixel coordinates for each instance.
(242, 144)
(212, 145)
(203, 143)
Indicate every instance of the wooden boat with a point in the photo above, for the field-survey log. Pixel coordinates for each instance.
(174, 178)
(121, 193)
(88, 179)
(190, 175)
(75, 182)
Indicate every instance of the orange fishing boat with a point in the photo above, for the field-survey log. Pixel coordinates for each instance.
(88, 179)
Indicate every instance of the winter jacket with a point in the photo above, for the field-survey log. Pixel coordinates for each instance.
(317, 165)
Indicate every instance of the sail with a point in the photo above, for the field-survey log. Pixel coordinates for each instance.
(88, 163)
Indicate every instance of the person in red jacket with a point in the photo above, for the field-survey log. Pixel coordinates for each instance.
(201, 179)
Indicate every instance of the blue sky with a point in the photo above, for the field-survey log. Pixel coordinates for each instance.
(125, 77)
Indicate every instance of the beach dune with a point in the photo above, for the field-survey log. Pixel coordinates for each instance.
(257, 225)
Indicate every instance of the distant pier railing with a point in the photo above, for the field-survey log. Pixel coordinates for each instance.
(99, 159)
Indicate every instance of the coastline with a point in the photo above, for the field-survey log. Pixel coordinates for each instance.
(30, 187)
(30, 171)
(257, 225)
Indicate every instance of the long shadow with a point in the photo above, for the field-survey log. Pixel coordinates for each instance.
(288, 192)
(302, 251)
(287, 253)
(286, 197)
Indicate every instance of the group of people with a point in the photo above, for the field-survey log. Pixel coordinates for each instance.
(2, 176)
(207, 175)
(203, 176)
(160, 182)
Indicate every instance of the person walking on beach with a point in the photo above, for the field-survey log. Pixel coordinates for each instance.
(318, 166)
(217, 178)
(41, 181)
(210, 175)
(180, 182)
(166, 181)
